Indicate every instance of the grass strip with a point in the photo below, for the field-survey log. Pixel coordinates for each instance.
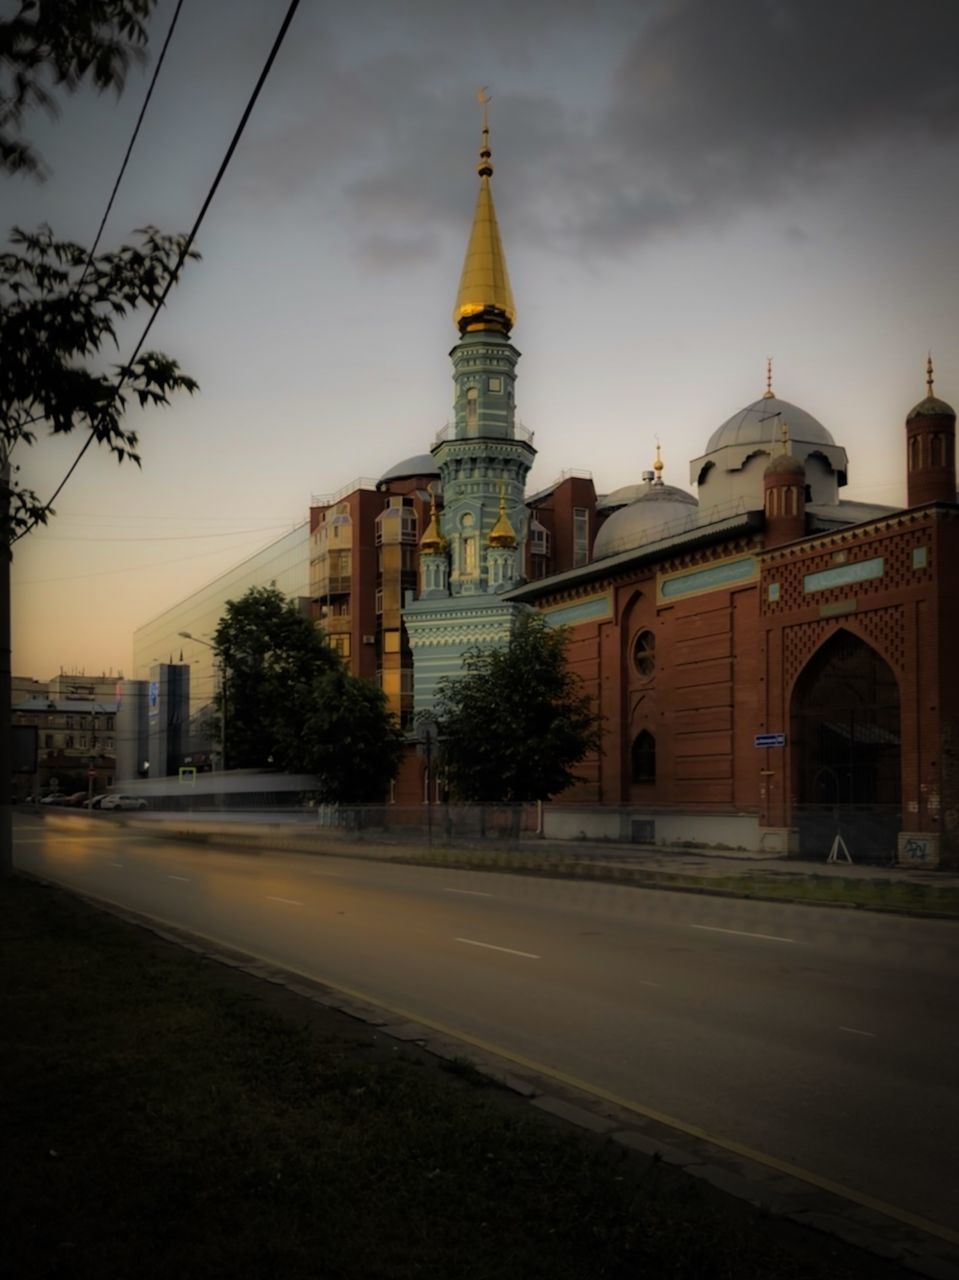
(164, 1118)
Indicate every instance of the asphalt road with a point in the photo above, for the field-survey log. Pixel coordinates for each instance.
(825, 1038)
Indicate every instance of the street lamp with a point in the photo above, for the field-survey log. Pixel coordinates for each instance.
(188, 635)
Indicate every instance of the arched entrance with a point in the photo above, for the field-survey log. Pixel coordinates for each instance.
(846, 751)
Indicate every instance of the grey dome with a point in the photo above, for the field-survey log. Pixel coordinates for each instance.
(761, 422)
(422, 464)
(659, 510)
(621, 497)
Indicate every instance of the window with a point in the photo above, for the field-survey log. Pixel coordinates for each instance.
(379, 600)
(496, 384)
(341, 644)
(472, 406)
(109, 722)
(69, 742)
(391, 642)
(644, 757)
(539, 538)
(469, 557)
(644, 653)
(48, 739)
(580, 536)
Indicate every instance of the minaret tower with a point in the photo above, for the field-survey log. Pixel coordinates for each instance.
(483, 450)
(473, 549)
(784, 490)
(931, 449)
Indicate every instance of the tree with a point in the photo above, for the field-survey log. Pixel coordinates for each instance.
(515, 724)
(291, 703)
(351, 741)
(66, 43)
(59, 309)
(270, 656)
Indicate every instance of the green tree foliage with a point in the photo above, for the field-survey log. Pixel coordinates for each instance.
(64, 43)
(515, 724)
(291, 704)
(351, 741)
(58, 311)
(270, 655)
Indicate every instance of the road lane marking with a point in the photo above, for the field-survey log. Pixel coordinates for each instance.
(473, 893)
(290, 902)
(854, 1031)
(644, 983)
(117, 864)
(185, 879)
(741, 933)
(471, 942)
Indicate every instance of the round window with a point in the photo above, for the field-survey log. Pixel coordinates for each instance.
(644, 653)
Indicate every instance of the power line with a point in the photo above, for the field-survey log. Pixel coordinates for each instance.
(132, 568)
(172, 537)
(187, 245)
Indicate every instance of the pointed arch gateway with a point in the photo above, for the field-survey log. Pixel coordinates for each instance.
(846, 750)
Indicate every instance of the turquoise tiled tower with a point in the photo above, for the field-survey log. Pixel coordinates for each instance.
(472, 550)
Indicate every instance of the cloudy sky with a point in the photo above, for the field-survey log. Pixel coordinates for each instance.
(683, 187)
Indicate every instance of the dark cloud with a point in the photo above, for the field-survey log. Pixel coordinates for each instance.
(719, 107)
(614, 122)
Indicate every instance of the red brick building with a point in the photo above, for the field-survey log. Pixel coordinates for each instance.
(772, 662)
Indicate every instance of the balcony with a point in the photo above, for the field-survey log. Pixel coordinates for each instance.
(336, 584)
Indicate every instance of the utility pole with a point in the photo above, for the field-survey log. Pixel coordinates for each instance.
(6, 713)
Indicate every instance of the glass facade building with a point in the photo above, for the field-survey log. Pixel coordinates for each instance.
(284, 564)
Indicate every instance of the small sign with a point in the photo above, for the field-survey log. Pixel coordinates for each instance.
(188, 774)
(91, 772)
(770, 740)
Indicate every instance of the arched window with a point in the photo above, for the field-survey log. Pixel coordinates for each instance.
(644, 653)
(644, 757)
(472, 405)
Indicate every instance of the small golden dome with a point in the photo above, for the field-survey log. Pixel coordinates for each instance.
(502, 533)
(432, 542)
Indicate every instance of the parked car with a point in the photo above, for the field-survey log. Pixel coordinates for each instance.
(123, 802)
(53, 798)
(95, 802)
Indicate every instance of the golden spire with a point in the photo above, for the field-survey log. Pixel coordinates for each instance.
(658, 466)
(432, 542)
(769, 394)
(485, 299)
(929, 375)
(502, 533)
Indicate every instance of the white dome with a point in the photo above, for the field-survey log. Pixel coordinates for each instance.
(659, 510)
(761, 423)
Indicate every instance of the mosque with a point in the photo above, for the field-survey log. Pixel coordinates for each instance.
(771, 660)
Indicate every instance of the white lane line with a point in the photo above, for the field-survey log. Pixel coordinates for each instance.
(854, 1031)
(471, 942)
(741, 933)
(185, 879)
(472, 893)
(117, 864)
(290, 902)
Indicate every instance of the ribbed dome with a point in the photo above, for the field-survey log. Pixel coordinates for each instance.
(785, 463)
(659, 510)
(761, 422)
(422, 464)
(931, 407)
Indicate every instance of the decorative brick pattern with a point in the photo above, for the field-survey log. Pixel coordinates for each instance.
(895, 543)
(884, 629)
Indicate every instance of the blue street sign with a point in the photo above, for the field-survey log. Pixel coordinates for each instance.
(770, 740)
